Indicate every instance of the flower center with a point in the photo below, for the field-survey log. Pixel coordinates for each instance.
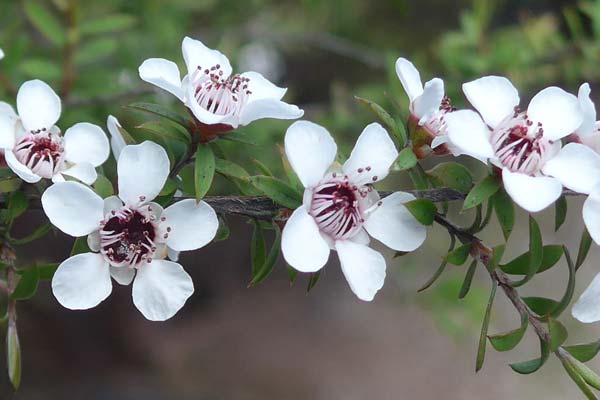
(42, 153)
(338, 206)
(218, 95)
(129, 236)
(519, 145)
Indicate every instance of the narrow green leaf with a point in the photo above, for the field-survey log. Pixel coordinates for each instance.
(509, 340)
(262, 167)
(80, 246)
(17, 205)
(569, 291)
(584, 352)
(165, 130)
(550, 256)
(531, 366)
(536, 253)
(441, 268)
(459, 255)
(586, 373)
(466, 286)
(312, 281)
(481, 192)
(45, 22)
(161, 111)
(27, 285)
(423, 210)
(270, 261)
(453, 175)
(386, 118)
(560, 212)
(231, 170)
(558, 334)
(95, 50)
(38, 233)
(107, 24)
(484, 329)
(46, 271)
(238, 137)
(13, 355)
(9, 185)
(292, 274)
(40, 68)
(258, 249)
(406, 160)
(578, 379)
(204, 170)
(497, 253)
(278, 191)
(169, 188)
(223, 231)
(505, 212)
(540, 305)
(418, 177)
(584, 248)
(104, 187)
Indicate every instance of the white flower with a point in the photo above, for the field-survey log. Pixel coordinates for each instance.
(428, 106)
(33, 145)
(521, 144)
(117, 142)
(1, 54)
(129, 236)
(219, 100)
(340, 206)
(589, 131)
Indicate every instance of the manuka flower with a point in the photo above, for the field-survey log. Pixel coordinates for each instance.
(589, 131)
(340, 207)
(129, 236)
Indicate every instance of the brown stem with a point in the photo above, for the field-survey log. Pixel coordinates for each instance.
(69, 51)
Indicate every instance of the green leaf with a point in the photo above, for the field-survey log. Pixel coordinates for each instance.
(231, 170)
(550, 256)
(204, 170)
(453, 175)
(258, 248)
(481, 192)
(441, 268)
(45, 22)
(406, 160)
(584, 248)
(531, 366)
(423, 210)
(80, 246)
(107, 24)
(27, 285)
(169, 188)
(104, 187)
(386, 118)
(459, 255)
(38, 233)
(278, 191)
(9, 185)
(46, 271)
(589, 376)
(509, 340)
(466, 286)
(312, 280)
(584, 352)
(223, 231)
(17, 205)
(576, 376)
(535, 253)
(41, 69)
(558, 334)
(162, 112)
(262, 167)
(505, 212)
(540, 305)
(292, 274)
(187, 183)
(560, 212)
(13, 355)
(166, 131)
(263, 272)
(95, 50)
(570, 290)
(484, 329)
(497, 253)
(238, 137)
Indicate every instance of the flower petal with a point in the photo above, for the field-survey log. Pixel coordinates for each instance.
(192, 225)
(7, 130)
(198, 56)
(269, 108)
(373, 155)
(143, 170)
(262, 88)
(162, 73)
(300, 234)
(39, 106)
(82, 281)
(558, 111)
(591, 214)
(588, 110)
(393, 225)
(112, 203)
(363, 267)
(429, 102)
(410, 78)
(1, 54)
(469, 134)
(311, 150)
(160, 289)
(532, 193)
(7, 109)
(117, 142)
(122, 275)
(579, 158)
(73, 208)
(587, 308)
(93, 241)
(202, 114)
(83, 171)
(21, 170)
(494, 97)
(86, 142)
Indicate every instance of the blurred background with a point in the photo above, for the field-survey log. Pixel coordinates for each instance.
(275, 340)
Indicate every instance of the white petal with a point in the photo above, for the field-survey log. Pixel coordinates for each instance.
(494, 97)
(162, 73)
(393, 225)
(1, 54)
(587, 308)
(262, 88)
(143, 170)
(117, 142)
(172, 254)
(82, 281)
(269, 108)
(558, 111)
(410, 78)
(373, 155)
(429, 102)
(123, 275)
(21, 170)
(198, 56)
(363, 267)
(192, 225)
(576, 166)
(7, 130)
(469, 133)
(301, 243)
(588, 110)
(202, 114)
(311, 150)
(93, 241)
(160, 289)
(86, 142)
(73, 208)
(532, 193)
(591, 214)
(6, 108)
(83, 171)
(39, 106)
(112, 203)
